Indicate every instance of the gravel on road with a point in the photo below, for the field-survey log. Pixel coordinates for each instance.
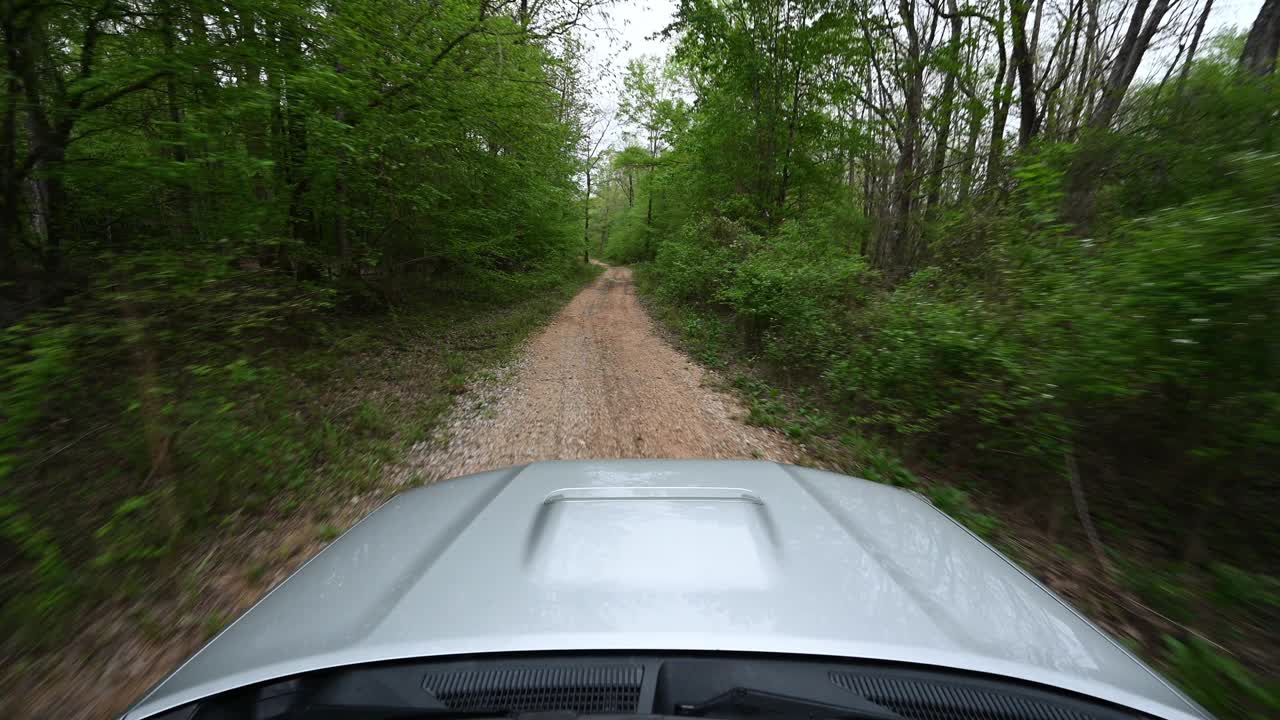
(597, 383)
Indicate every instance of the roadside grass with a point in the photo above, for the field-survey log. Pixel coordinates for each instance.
(295, 435)
(1146, 606)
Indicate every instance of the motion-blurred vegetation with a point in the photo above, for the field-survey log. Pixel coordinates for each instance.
(219, 223)
(219, 219)
(1075, 331)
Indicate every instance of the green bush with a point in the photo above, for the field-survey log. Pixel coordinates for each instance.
(698, 263)
(47, 588)
(1185, 299)
(1143, 351)
(791, 293)
(1101, 315)
(705, 337)
(204, 411)
(1220, 683)
(1234, 588)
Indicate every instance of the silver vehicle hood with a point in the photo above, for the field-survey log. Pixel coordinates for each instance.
(667, 555)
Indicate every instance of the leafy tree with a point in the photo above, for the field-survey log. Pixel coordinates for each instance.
(1072, 312)
(191, 190)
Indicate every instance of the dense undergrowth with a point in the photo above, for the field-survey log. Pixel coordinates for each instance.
(1100, 402)
(1208, 628)
(260, 429)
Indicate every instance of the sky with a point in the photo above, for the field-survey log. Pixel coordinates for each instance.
(628, 32)
(625, 34)
(1227, 13)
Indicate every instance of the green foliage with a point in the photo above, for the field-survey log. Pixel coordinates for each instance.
(208, 213)
(35, 358)
(1164, 317)
(370, 419)
(48, 589)
(697, 264)
(908, 339)
(1161, 585)
(955, 502)
(1234, 588)
(785, 292)
(873, 462)
(213, 625)
(1097, 311)
(1220, 683)
(1186, 294)
(706, 336)
(132, 533)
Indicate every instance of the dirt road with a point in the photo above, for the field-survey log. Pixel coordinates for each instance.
(598, 382)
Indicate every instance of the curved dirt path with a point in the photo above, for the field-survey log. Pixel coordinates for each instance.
(596, 383)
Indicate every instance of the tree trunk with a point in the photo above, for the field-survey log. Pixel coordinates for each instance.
(586, 217)
(892, 253)
(1195, 43)
(48, 149)
(1033, 47)
(343, 243)
(1168, 73)
(183, 225)
(791, 138)
(1084, 88)
(9, 227)
(340, 238)
(300, 221)
(9, 180)
(999, 112)
(604, 220)
(999, 116)
(1136, 41)
(171, 86)
(970, 156)
(48, 198)
(1054, 103)
(1028, 124)
(1263, 42)
(255, 132)
(648, 219)
(868, 169)
(944, 122)
(648, 213)
(1090, 165)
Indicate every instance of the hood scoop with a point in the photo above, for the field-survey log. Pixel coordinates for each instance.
(588, 494)
(653, 539)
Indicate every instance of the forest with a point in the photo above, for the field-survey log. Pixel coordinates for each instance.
(218, 222)
(1021, 255)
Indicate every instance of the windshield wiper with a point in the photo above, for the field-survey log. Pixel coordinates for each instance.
(748, 702)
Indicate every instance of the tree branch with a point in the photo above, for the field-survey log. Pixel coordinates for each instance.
(966, 12)
(141, 84)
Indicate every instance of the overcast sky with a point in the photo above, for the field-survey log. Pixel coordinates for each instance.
(1239, 13)
(625, 34)
(628, 33)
